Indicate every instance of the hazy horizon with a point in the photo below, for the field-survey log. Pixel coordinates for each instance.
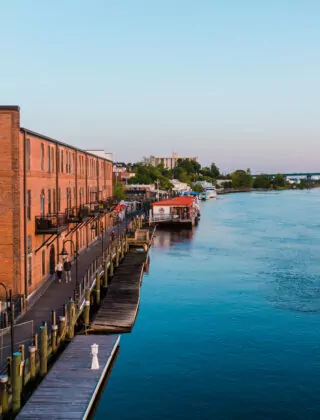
(231, 82)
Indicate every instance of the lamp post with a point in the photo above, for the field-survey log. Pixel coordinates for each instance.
(9, 301)
(64, 253)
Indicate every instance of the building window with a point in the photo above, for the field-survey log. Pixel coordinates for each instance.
(74, 195)
(61, 156)
(42, 156)
(42, 202)
(49, 201)
(49, 159)
(73, 164)
(54, 207)
(43, 263)
(28, 153)
(69, 198)
(29, 204)
(59, 199)
(29, 270)
(52, 159)
(29, 245)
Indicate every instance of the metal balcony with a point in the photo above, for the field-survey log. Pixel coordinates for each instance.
(77, 214)
(51, 224)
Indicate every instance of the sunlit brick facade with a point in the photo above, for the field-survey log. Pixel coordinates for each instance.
(41, 182)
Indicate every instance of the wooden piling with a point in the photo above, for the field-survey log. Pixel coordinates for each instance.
(16, 382)
(21, 349)
(4, 394)
(86, 311)
(98, 286)
(62, 327)
(105, 280)
(54, 336)
(35, 340)
(71, 318)
(32, 361)
(117, 255)
(53, 317)
(43, 350)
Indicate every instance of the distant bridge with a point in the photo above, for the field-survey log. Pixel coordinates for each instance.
(297, 175)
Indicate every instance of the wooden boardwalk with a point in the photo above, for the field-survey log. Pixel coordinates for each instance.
(119, 308)
(70, 388)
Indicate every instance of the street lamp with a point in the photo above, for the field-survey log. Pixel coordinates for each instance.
(64, 253)
(9, 301)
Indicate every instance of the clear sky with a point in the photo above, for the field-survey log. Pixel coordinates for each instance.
(232, 81)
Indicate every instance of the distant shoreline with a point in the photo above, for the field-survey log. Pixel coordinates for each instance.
(244, 190)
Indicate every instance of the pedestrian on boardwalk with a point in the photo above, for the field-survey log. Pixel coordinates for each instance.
(112, 236)
(59, 269)
(67, 269)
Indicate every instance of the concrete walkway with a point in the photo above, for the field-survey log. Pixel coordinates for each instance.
(54, 297)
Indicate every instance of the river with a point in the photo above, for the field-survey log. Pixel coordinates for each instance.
(229, 320)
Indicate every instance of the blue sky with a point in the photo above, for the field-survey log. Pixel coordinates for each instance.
(232, 81)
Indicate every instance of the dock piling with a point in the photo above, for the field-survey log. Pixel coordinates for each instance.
(16, 382)
(32, 361)
(98, 286)
(54, 334)
(71, 318)
(43, 349)
(4, 394)
(62, 327)
(86, 312)
(105, 280)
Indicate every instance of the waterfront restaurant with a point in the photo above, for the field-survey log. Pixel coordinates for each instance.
(52, 196)
(183, 211)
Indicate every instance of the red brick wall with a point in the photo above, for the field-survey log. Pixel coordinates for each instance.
(10, 195)
(40, 179)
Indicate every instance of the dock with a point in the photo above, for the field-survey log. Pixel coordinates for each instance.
(119, 308)
(71, 387)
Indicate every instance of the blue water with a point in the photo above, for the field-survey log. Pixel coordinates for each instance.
(229, 322)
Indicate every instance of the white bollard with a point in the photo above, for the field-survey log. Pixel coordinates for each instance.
(94, 352)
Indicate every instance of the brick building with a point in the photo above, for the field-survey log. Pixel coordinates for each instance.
(49, 192)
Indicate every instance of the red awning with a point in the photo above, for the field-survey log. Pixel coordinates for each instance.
(184, 201)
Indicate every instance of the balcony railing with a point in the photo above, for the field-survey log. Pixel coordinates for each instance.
(51, 224)
(171, 218)
(77, 214)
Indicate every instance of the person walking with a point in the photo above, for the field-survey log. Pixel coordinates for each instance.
(67, 269)
(59, 269)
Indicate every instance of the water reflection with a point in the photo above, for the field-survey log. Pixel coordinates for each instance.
(165, 238)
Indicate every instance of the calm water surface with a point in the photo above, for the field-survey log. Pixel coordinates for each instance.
(229, 322)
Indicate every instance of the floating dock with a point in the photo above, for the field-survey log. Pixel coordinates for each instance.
(119, 308)
(71, 387)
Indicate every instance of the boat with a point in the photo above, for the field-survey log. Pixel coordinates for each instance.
(211, 191)
(203, 196)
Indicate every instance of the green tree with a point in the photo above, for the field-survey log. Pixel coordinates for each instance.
(261, 181)
(241, 179)
(197, 188)
(279, 180)
(215, 172)
(118, 191)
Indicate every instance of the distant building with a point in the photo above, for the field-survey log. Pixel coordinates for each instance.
(120, 173)
(179, 187)
(172, 161)
(101, 153)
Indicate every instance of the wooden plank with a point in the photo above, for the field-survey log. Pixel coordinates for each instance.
(70, 388)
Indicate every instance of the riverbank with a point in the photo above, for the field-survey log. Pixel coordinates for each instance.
(222, 191)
